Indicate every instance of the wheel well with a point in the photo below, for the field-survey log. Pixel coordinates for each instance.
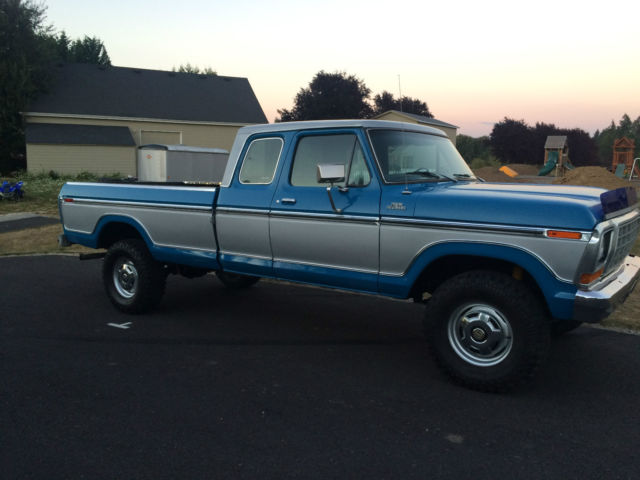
(115, 231)
(444, 268)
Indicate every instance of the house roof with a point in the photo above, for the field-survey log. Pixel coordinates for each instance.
(57, 134)
(420, 119)
(95, 90)
(556, 141)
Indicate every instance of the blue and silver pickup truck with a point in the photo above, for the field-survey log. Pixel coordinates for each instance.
(383, 208)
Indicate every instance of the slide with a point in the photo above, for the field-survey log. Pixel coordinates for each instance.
(552, 161)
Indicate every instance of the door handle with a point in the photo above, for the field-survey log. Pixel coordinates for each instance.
(289, 200)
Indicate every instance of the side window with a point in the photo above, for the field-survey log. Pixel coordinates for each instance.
(341, 149)
(260, 161)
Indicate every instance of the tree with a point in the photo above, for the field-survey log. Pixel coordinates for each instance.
(188, 68)
(87, 50)
(473, 148)
(330, 96)
(511, 142)
(604, 139)
(26, 51)
(385, 101)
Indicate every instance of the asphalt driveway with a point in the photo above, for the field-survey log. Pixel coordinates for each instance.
(282, 381)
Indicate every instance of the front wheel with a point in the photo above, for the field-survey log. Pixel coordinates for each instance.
(487, 330)
(133, 280)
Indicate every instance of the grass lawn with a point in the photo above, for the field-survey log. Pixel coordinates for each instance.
(41, 194)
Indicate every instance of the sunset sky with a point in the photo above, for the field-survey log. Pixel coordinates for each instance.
(571, 63)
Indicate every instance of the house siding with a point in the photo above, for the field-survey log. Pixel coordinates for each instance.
(73, 159)
(98, 159)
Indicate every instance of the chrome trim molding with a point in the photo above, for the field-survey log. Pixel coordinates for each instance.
(594, 305)
(187, 187)
(133, 203)
(322, 265)
(244, 255)
(373, 219)
(246, 211)
(465, 226)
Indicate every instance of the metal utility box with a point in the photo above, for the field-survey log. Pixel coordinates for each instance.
(180, 163)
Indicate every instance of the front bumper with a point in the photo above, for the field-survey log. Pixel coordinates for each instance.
(594, 305)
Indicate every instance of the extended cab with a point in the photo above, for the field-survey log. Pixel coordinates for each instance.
(384, 208)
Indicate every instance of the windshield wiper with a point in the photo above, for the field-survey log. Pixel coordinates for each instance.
(463, 175)
(426, 173)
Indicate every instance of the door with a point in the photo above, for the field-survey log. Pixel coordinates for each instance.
(242, 211)
(311, 240)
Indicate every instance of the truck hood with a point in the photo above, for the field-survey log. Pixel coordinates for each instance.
(549, 206)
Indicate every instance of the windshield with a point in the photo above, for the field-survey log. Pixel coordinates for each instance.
(405, 157)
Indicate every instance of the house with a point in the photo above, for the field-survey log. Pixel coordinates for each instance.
(397, 116)
(95, 117)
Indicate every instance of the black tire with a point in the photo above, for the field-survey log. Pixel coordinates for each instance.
(133, 280)
(487, 330)
(560, 327)
(235, 280)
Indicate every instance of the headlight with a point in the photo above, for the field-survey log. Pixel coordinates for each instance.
(596, 254)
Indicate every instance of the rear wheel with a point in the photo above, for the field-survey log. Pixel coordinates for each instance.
(486, 330)
(133, 280)
(235, 280)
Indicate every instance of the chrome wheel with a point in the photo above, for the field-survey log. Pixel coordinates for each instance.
(480, 334)
(125, 277)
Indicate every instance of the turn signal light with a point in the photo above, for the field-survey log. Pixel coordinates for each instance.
(563, 234)
(587, 278)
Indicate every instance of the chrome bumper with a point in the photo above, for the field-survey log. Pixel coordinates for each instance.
(594, 305)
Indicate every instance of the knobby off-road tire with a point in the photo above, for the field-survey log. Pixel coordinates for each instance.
(134, 281)
(487, 330)
(236, 281)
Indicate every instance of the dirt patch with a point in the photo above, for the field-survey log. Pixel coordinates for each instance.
(493, 174)
(592, 177)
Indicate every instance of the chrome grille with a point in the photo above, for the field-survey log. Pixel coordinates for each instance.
(626, 235)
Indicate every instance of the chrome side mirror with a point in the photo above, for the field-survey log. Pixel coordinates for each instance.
(331, 173)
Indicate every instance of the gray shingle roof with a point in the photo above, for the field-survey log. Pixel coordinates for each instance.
(422, 119)
(57, 134)
(135, 93)
(556, 141)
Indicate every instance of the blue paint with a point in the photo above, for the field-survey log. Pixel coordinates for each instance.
(181, 196)
(258, 267)
(327, 277)
(548, 206)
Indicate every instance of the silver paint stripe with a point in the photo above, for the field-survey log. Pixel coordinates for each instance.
(133, 203)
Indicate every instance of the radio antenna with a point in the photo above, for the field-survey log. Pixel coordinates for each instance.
(400, 92)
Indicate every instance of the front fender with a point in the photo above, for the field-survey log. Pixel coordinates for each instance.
(559, 295)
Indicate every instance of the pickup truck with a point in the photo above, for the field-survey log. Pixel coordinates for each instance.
(383, 208)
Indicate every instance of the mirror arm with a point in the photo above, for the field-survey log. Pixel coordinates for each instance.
(333, 205)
